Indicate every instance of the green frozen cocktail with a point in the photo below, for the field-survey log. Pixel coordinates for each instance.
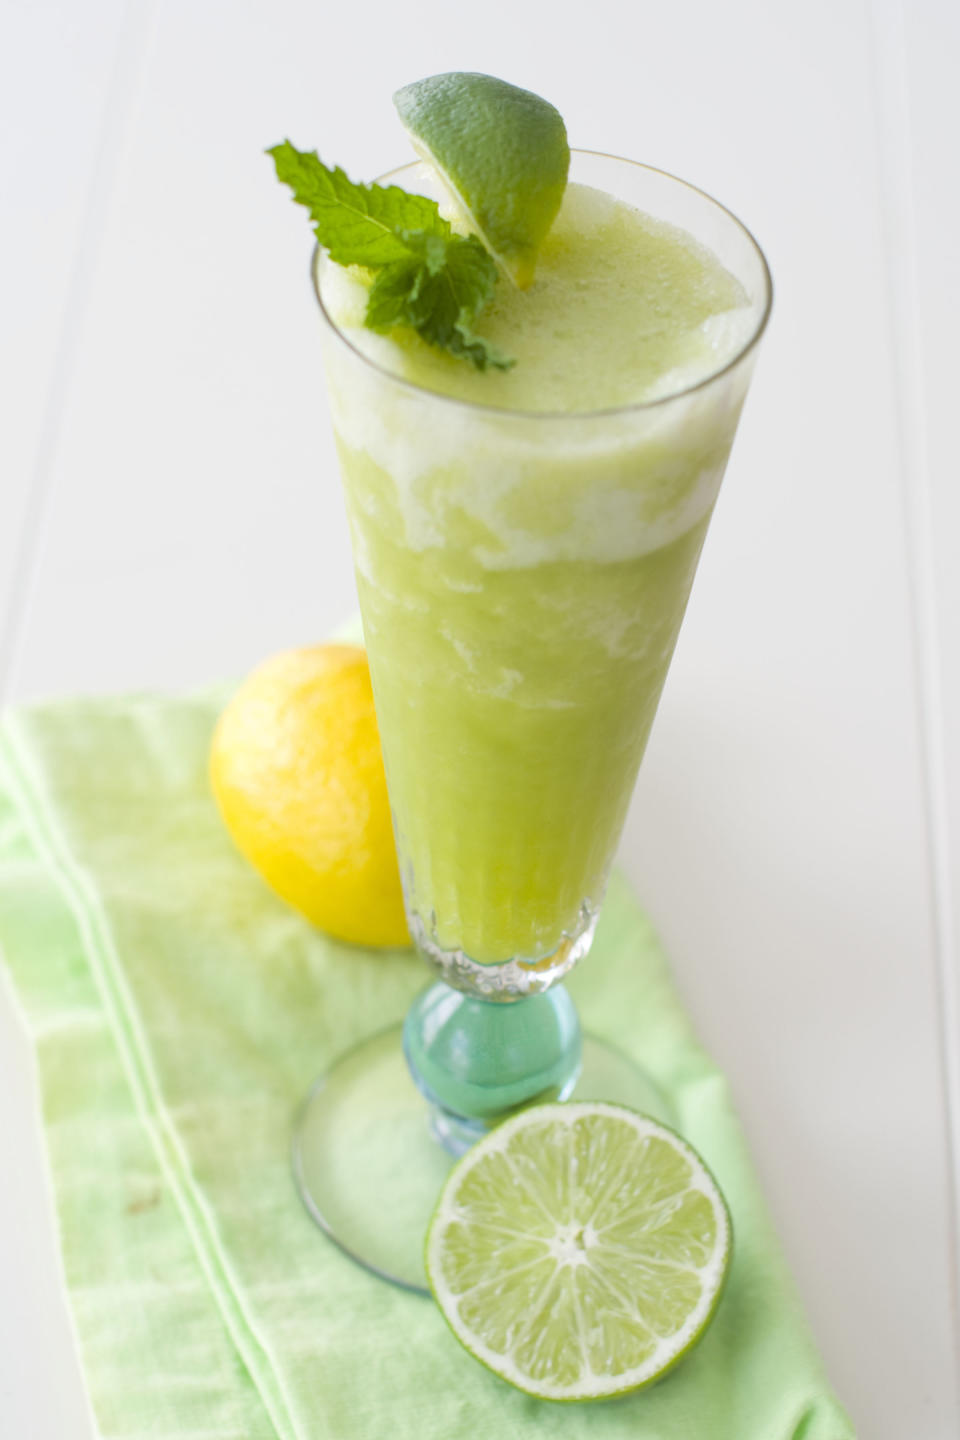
(530, 463)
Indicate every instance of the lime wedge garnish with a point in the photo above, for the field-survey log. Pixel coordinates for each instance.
(502, 154)
(579, 1250)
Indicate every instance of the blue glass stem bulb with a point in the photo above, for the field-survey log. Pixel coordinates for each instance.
(478, 1060)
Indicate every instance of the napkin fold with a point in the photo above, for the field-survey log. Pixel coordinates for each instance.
(179, 1013)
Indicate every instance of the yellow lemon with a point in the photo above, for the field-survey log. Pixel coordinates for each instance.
(298, 774)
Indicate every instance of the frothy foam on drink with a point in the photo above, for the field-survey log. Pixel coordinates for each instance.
(626, 310)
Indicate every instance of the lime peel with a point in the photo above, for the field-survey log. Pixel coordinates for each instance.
(501, 153)
(579, 1250)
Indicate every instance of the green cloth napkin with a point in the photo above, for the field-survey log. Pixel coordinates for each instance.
(179, 1012)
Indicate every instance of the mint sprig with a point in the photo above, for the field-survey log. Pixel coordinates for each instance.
(426, 277)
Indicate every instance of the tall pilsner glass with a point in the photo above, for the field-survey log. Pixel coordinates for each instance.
(522, 581)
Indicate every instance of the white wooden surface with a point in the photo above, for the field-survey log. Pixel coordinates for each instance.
(169, 512)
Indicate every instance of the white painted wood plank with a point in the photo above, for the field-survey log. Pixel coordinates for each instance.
(930, 34)
(58, 73)
(58, 78)
(779, 833)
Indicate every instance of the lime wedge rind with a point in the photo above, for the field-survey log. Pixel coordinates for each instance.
(500, 152)
(452, 1220)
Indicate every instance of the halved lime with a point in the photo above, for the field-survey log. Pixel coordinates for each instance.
(501, 152)
(579, 1250)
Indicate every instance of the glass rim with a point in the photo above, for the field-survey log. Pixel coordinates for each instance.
(636, 406)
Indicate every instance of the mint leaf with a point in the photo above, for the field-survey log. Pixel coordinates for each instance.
(356, 224)
(393, 290)
(426, 277)
(473, 347)
(438, 290)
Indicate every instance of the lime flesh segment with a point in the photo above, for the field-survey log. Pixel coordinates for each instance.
(502, 154)
(579, 1251)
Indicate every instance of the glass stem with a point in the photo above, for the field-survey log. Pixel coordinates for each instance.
(478, 1060)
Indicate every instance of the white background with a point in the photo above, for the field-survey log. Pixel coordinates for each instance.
(169, 513)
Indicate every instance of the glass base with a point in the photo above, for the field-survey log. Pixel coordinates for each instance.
(369, 1153)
